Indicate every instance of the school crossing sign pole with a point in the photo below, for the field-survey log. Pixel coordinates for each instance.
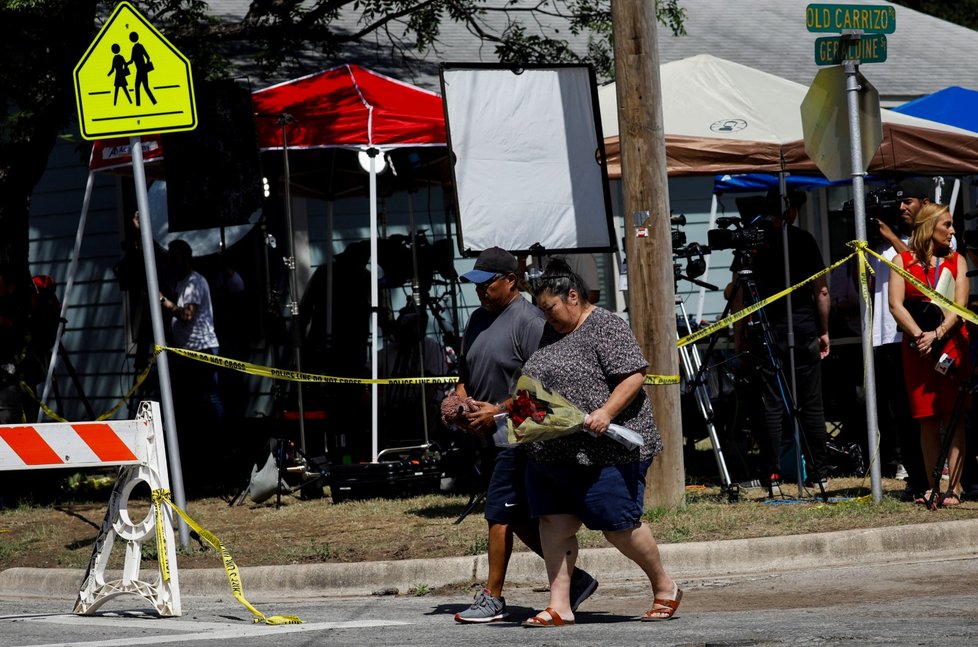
(862, 40)
(130, 82)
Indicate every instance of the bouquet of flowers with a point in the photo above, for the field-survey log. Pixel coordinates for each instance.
(537, 414)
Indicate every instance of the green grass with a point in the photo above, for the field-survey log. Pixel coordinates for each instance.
(317, 531)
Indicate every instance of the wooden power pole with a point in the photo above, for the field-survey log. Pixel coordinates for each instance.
(648, 241)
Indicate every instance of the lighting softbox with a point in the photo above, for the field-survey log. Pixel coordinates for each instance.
(526, 147)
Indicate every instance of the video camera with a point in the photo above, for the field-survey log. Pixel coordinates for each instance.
(748, 232)
(694, 253)
(881, 205)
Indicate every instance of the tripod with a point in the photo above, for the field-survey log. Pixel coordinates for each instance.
(965, 389)
(693, 370)
(759, 327)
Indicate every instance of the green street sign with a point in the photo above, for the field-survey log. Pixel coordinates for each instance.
(867, 49)
(870, 19)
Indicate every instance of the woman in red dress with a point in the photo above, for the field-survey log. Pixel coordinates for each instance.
(933, 381)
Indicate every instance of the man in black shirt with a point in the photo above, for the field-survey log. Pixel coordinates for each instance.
(809, 320)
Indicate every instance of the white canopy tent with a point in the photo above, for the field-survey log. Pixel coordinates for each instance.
(723, 117)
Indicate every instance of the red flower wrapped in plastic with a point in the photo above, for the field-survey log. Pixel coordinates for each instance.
(538, 414)
(523, 407)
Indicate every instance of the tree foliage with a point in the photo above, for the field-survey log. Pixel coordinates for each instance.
(42, 40)
(959, 12)
(287, 32)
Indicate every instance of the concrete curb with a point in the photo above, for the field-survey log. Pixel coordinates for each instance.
(683, 561)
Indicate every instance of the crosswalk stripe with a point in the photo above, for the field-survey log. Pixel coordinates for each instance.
(188, 631)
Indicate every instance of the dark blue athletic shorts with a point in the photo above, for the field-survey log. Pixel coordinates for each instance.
(506, 495)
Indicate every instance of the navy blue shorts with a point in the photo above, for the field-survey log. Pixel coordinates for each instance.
(506, 495)
(603, 498)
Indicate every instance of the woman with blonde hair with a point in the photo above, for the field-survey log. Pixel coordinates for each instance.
(935, 347)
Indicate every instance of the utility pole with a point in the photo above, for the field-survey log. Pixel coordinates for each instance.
(648, 241)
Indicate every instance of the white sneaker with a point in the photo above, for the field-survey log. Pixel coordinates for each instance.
(901, 473)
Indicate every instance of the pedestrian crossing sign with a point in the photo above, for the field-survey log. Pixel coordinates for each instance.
(132, 81)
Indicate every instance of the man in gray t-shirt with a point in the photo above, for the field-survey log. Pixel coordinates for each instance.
(495, 346)
(499, 338)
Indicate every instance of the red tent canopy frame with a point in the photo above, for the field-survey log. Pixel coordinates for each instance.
(350, 107)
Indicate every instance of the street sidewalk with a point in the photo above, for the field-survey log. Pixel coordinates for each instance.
(684, 561)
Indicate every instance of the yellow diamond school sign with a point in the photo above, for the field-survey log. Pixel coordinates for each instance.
(132, 81)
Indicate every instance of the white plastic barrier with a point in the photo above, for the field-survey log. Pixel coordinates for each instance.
(136, 446)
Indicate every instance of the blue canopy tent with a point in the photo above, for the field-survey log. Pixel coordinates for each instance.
(954, 106)
(765, 181)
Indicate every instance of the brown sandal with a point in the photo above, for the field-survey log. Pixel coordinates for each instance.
(666, 608)
(554, 621)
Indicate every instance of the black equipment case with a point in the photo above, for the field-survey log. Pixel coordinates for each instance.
(390, 479)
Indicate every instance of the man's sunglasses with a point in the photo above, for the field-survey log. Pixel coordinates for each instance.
(486, 284)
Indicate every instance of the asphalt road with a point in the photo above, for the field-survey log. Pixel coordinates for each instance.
(909, 603)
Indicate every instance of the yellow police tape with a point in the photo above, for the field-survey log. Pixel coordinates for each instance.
(860, 247)
(297, 376)
(51, 413)
(740, 314)
(234, 577)
(661, 379)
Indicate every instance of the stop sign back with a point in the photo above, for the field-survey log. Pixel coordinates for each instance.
(825, 123)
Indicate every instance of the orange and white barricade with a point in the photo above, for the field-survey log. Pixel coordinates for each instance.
(137, 447)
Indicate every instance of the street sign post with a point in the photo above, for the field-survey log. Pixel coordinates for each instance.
(833, 50)
(845, 147)
(869, 19)
(132, 81)
(129, 49)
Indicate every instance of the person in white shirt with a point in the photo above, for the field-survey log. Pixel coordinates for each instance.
(195, 383)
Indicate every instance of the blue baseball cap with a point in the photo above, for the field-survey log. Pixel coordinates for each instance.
(492, 261)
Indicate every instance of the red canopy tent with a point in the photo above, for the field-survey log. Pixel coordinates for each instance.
(349, 107)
